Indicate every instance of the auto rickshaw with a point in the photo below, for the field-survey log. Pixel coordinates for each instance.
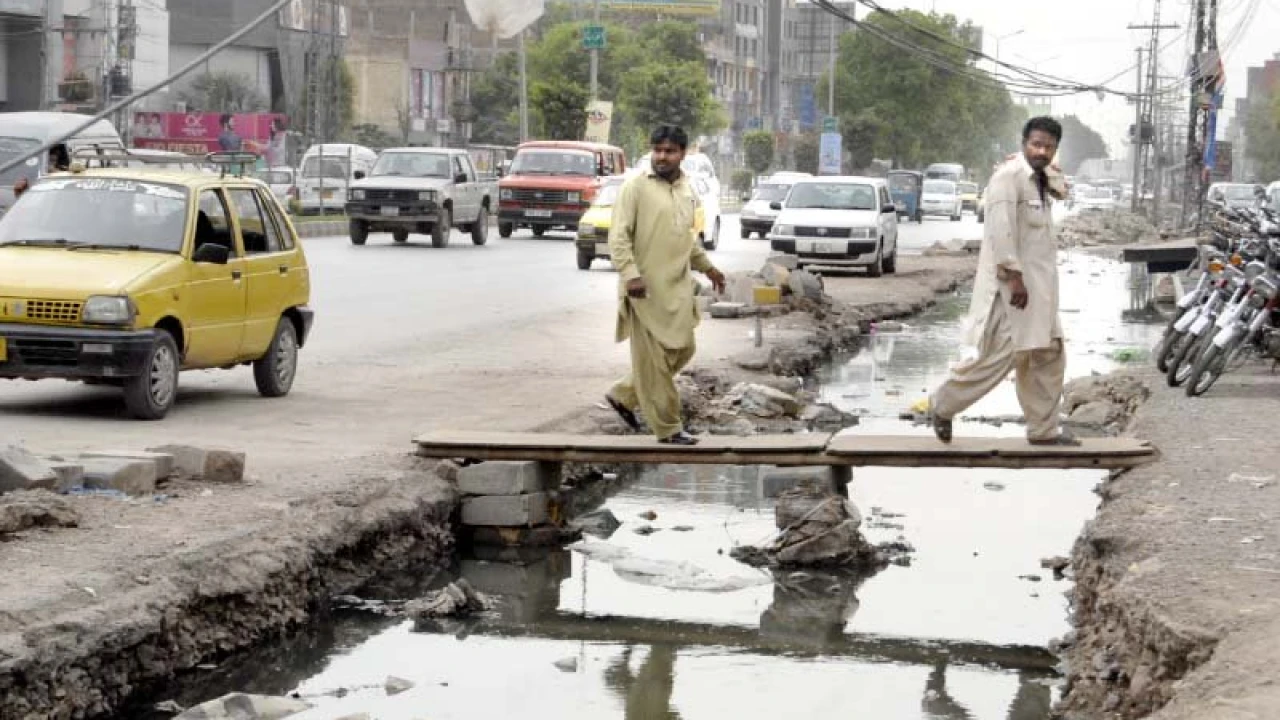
(906, 187)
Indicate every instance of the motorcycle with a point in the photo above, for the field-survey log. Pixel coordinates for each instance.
(1192, 330)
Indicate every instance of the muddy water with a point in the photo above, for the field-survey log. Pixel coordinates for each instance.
(665, 625)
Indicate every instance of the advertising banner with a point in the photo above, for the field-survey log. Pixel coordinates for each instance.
(829, 151)
(599, 121)
(199, 133)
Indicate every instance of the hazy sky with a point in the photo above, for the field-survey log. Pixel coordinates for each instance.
(1087, 40)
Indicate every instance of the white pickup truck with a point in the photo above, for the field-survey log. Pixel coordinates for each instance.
(421, 190)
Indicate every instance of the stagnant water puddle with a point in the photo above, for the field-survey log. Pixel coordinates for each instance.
(666, 625)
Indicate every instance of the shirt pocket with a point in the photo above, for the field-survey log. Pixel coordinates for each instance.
(1036, 213)
(683, 215)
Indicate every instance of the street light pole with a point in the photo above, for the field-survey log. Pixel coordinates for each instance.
(595, 55)
(996, 68)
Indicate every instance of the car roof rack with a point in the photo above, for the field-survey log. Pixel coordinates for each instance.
(107, 154)
(234, 160)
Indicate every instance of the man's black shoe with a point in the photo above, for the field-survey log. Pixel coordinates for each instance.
(624, 412)
(942, 429)
(680, 438)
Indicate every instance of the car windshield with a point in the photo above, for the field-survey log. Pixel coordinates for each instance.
(12, 149)
(275, 177)
(770, 193)
(1098, 193)
(903, 183)
(968, 188)
(544, 161)
(330, 167)
(939, 187)
(1239, 192)
(832, 196)
(608, 194)
(101, 212)
(412, 164)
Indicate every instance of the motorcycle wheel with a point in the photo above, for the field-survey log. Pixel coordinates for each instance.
(1209, 366)
(1164, 348)
(1184, 357)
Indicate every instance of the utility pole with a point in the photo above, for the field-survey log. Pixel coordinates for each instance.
(524, 93)
(595, 56)
(831, 67)
(1196, 118)
(1148, 114)
(1136, 152)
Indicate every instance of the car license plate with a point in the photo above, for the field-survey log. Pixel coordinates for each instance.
(390, 211)
(4, 350)
(602, 248)
(827, 248)
(327, 194)
(537, 213)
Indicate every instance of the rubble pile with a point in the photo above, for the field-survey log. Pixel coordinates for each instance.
(1112, 227)
(816, 529)
(778, 287)
(458, 599)
(1104, 402)
(957, 247)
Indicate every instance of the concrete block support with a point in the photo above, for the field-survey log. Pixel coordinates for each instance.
(508, 478)
(506, 510)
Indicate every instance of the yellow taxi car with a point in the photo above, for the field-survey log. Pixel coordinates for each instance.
(969, 194)
(593, 229)
(126, 276)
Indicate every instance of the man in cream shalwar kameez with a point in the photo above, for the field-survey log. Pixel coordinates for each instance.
(1013, 319)
(653, 246)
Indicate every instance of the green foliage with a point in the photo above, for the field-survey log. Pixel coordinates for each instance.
(337, 98)
(805, 153)
(1262, 131)
(895, 105)
(372, 136)
(560, 107)
(1079, 143)
(223, 92)
(742, 180)
(758, 145)
(655, 74)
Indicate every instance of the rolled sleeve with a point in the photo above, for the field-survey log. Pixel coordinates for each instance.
(1002, 223)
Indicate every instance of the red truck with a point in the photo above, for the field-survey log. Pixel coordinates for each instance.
(551, 184)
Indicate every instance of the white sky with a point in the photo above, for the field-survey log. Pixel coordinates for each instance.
(1087, 40)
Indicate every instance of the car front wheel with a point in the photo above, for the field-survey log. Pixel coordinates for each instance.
(274, 372)
(149, 396)
(443, 227)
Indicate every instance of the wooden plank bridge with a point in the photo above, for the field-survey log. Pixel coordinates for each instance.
(804, 449)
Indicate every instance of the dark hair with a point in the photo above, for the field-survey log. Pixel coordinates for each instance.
(1043, 123)
(226, 118)
(673, 133)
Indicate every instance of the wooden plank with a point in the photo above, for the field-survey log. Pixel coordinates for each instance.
(786, 450)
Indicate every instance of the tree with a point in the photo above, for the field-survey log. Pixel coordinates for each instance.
(223, 92)
(758, 146)
(1079, 143)
(805, 151)
(496, 93)
(671, 93)
(897, 105)
(1262, 134)
(337, 106)
(560, 108)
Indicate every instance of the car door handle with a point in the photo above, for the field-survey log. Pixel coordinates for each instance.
(284, 269)
(236, 274)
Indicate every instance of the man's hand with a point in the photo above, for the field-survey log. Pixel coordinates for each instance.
(1018, 292)
(717, 279)
(637, 288)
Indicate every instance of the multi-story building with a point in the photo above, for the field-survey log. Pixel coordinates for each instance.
(810, 37)
(1262, 85)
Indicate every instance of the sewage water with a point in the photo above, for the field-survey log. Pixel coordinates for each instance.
(666, 625)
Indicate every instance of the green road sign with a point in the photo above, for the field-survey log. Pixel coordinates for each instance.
(829, 124)
(593, 37)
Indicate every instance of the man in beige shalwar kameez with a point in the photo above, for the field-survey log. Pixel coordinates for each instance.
(653, 246)
(1013, 319)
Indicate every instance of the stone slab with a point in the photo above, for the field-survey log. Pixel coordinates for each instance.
(506, 510)
(21, 470)
(165, 463)
(214, 465)
(508, 478)
(70, 474)
(132, 477)
(778, 480)
(728, 310)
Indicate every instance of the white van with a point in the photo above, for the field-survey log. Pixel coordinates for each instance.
(22, 132)
(327, 170)
(941, 197)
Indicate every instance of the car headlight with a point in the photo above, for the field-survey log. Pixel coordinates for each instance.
(784, 229)
(586, 229)
(748, 212)
(505, 194)
(357, 194)
(107, 310)
(427, 195)
(573, 197)
(863, 233)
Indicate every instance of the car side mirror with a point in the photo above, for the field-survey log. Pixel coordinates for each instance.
(359, 175)
(775, 206)
(499, 171)
(889, 208)
(460, 178)
(212, 254)
(746, 197)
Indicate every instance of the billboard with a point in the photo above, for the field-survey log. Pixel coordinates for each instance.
(829, 152)
(198, 133)
(664, 7)
(599, 121)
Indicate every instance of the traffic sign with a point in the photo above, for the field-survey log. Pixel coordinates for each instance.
(593, 37)
(830, 124)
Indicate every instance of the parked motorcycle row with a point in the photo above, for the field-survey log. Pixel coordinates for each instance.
(1232, 314)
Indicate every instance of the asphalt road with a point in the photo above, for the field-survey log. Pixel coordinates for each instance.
(406, 336)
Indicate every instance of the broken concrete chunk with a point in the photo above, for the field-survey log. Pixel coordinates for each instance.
(775, 275)
(239, 706)
(600, 523)
(211, 465)
(70, 474)
(458, 599)
(506, 510)
(131, 477)
(805, 284)
(20, 470)
(763, 401)
(777, 480)
(26, 509)
(395, 685)
(164, 461)
(727, 310)
(788, 262)
(508, 478)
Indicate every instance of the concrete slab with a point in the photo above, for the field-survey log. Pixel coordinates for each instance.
(21, 470)
(165, 464)
(506, 510)
(132, 477)
(214, 465)
(508, 478)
